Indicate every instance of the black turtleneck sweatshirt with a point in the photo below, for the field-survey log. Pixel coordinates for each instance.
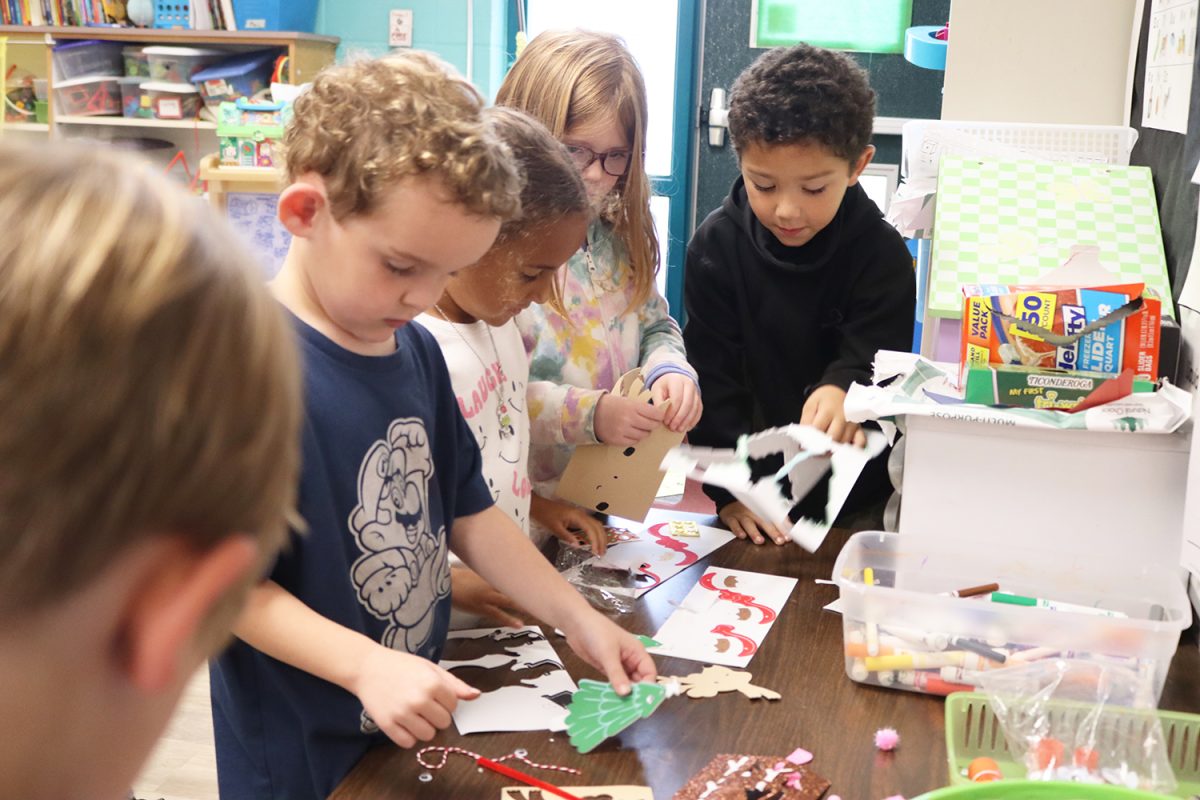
(767, 324)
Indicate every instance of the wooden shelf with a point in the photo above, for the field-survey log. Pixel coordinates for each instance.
(212, 169)
(136, 122)
(27, 126)
(169, 35)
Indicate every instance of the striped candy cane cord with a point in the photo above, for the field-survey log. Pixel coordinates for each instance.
(519, 755)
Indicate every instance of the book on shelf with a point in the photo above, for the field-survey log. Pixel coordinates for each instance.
(203, 14)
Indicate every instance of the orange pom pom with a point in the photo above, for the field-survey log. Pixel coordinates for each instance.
(984, 770)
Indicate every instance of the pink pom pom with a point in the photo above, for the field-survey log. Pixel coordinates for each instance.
(887, 738)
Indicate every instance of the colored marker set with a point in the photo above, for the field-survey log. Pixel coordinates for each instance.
(934, 616)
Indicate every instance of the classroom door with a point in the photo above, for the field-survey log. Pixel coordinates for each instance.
(662, 35)
(905, 91)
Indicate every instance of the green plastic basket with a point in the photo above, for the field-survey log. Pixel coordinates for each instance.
(972, 731)
(1036, 790)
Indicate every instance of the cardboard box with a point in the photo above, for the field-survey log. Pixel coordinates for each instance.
(1031, 387)
(997, 323)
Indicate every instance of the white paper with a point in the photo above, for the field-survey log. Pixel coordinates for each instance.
(673, 484)
(1170, 56)
(808, 454)
(1163, 411)
(730, 629)
(535, 682)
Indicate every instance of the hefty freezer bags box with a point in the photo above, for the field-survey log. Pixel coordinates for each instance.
(989, 338)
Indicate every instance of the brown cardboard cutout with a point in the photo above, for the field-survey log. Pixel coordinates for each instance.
(583, 792)
(614, 479)
(715, 679)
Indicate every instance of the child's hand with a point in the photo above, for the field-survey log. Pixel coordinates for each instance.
(615, 652)
(409, 698)
(825, 411)
(745, 523)
(623, 421)
(684, 412)
(474, 595)
(569, 523)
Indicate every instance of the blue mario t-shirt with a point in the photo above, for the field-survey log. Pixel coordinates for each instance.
(388, 465)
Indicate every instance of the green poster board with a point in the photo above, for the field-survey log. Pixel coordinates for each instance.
(1011, 222)
(863, 26)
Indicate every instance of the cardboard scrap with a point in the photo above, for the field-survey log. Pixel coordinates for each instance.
(713, 680)
(614, 479)
(582, 792)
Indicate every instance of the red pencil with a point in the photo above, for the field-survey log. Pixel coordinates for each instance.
(517, 775)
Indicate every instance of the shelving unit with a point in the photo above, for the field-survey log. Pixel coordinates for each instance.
(30, 48)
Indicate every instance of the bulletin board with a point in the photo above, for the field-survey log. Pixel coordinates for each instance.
(1172, 157)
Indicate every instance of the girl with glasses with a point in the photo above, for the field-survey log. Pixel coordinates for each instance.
(609, 318)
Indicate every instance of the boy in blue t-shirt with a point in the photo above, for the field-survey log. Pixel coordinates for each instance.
(395, 184)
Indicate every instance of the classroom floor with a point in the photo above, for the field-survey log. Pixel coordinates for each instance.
(184, 764)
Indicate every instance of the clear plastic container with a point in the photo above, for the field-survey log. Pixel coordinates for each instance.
(925, 640)
(243, 75)
(40, 89)
(91, 57)
(88, 96)
(131, 97)
(179, 64)
(137, 63)
(171, 100)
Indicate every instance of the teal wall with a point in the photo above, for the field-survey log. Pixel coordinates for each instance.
(439, 26)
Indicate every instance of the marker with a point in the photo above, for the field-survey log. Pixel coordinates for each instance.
(974, 591)
(1053, 605)
(1034, 654)
(934, 641)
(517, 775)
(954, 658)
(872, 639)
(869, 576)
(975, 647)
(931, 684)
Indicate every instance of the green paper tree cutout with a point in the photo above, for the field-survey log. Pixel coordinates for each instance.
(597, 712)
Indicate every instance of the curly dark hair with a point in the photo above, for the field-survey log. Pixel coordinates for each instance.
(803, 93)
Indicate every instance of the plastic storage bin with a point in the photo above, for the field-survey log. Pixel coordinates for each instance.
(241, 76)
(276, 15)
(926, 641)
(88, 96)
(973, 731)
(178, 64)
(87, 58)
(137, 63)
(131, 96)
(171, 100)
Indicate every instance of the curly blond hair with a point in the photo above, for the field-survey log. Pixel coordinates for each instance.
(149, 383)
(367, 124)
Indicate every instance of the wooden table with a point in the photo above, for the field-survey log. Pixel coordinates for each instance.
(822, 710)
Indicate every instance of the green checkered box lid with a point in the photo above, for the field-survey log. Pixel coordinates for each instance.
(1011, 222)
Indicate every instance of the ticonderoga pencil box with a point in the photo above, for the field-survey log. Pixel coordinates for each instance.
(1033, 387)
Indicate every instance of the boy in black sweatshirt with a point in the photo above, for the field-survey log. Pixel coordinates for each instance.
(796, 281)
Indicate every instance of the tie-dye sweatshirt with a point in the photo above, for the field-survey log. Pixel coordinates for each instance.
(574, 361)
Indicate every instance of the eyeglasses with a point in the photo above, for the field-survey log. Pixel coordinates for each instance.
(614, 162)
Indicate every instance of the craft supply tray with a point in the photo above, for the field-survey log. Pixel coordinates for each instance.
(914, 626)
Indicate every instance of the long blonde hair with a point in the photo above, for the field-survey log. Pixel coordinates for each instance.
(571, 78)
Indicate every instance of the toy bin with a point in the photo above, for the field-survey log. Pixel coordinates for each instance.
(972, 730)
(276, 15)
(241, 76)
(902, 628)
(131, 96)
(87, 58)
(171, 100)
(137, 63)
(179, 64)
(88, 96)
